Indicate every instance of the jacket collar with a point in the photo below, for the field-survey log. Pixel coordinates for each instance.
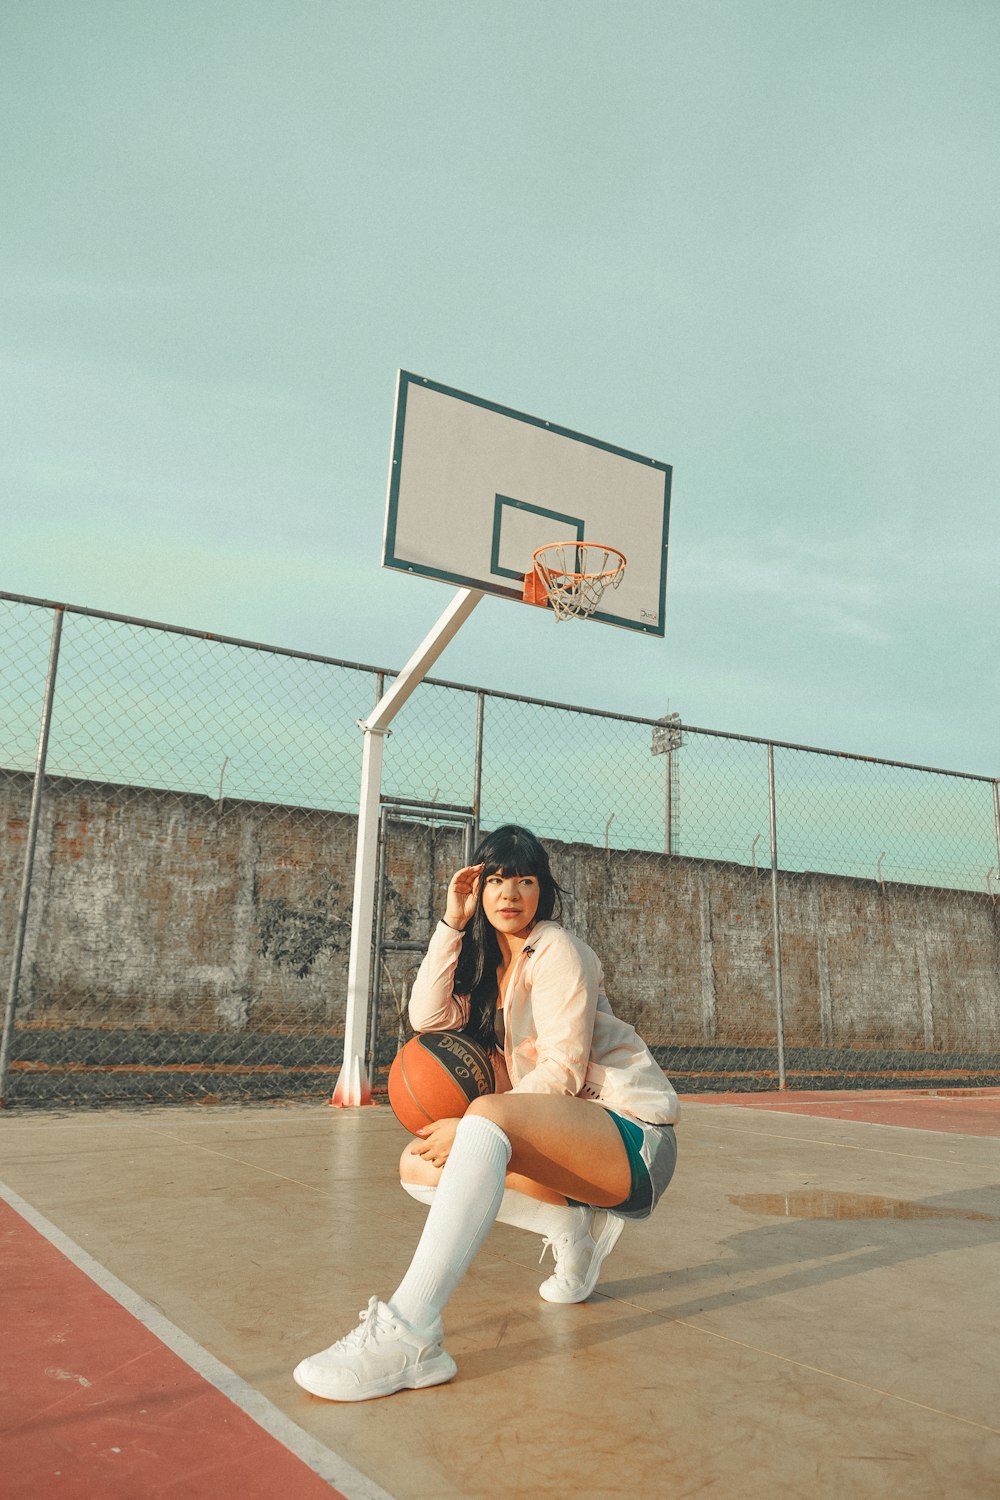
(536, 932)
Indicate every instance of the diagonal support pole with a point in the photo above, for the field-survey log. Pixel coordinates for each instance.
(353, 1086)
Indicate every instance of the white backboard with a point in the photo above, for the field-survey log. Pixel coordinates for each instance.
(474, 488)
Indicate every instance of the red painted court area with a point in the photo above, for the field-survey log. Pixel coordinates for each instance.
(956, 1112)
(94, 1405)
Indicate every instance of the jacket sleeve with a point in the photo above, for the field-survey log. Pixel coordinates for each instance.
(434, 1006)
(565, 981)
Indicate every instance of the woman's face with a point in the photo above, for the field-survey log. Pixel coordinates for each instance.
(510, 902)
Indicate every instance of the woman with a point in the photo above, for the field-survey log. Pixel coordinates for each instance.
(582, 1120)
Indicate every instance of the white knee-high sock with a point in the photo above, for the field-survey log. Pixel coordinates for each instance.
(522, 1211)
(464, 1208)
(549, 1219)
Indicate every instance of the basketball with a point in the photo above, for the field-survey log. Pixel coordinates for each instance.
(436, 1076)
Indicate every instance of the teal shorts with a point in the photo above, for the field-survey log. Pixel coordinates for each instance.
(652, 1157)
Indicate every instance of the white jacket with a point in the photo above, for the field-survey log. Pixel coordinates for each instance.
(560, 1034)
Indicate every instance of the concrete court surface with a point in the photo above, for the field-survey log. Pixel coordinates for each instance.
(812, 1311)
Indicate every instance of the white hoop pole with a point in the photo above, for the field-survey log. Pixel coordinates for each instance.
(353, 1086)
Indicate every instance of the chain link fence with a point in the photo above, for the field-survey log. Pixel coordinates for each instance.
(176, 876)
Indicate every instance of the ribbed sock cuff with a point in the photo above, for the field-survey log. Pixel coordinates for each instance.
(483, 1137)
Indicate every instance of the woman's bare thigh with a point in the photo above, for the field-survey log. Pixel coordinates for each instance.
(570, 1146)
(562, 1148)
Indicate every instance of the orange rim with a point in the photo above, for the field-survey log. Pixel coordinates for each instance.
(580, 547)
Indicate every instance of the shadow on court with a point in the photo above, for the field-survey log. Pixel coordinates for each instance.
(813, 1254)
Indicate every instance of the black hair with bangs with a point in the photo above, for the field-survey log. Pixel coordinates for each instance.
(507, 851)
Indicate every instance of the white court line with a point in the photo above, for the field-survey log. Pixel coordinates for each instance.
(900, 1096)
(811, 1140)
(832, 1375)
(322, 1460)
(241, 1161)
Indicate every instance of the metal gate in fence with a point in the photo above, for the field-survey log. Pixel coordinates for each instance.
(430, 818)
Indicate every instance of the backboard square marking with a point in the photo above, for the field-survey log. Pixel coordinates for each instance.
(514, 544)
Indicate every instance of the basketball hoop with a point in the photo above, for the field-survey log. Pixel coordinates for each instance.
(572, 577)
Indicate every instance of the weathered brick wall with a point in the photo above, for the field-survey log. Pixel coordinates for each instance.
(159, 909)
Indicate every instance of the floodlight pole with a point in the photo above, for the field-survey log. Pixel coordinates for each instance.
(353, 1087)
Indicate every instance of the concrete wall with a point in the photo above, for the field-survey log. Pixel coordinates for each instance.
(157, 909)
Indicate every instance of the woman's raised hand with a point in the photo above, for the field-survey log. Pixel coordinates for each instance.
(462, 892)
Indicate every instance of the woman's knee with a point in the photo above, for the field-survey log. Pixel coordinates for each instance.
(412, 1168)
(495, 1107)
(417, 1169)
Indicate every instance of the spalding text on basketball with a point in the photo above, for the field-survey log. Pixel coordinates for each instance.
(453, 1044)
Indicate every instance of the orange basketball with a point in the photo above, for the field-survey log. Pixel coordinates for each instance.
(436, 1076)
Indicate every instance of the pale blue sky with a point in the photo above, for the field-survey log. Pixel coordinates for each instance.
(756, 240)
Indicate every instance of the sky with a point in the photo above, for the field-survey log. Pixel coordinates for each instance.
(756, 240)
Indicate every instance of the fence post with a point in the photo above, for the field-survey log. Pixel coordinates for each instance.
(376, 998)
(477, 775)
(996, 819)
(779, 1009)
(29, 854)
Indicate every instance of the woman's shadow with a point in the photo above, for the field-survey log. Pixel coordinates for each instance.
(823, 1237)
(848, 1235)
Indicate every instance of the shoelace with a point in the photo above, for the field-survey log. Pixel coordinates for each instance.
(363, 1334)
(560, 1242)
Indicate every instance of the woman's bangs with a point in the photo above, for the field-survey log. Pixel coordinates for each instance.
(511, 869)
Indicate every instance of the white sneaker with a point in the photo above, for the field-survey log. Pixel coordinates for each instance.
(579, 1258)
(383, 1354)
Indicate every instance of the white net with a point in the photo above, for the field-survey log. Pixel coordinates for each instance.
(576, 575)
